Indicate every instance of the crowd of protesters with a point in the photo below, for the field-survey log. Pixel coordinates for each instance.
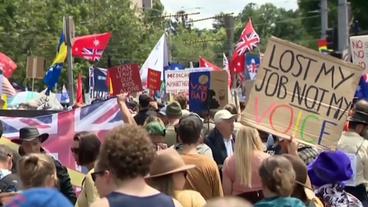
(168, 156)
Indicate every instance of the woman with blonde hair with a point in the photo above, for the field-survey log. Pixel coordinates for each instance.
(278, 180)
(37, 170)
(240, 172)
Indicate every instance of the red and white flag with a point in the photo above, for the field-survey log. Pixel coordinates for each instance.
(7, 65)
(91, 47)
(207, 64)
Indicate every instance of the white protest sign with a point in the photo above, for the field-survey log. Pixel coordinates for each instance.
(359, 50)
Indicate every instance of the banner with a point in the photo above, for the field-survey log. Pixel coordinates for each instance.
(125, 78)
(154, 80)
(359, 50)
(98, 118)
(302, 93)
(208, 90)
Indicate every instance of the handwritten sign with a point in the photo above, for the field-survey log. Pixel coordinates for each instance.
(302, 93)
(208, 90)
(125, 78)
(359, 50)
(177, 81)
(153, 80)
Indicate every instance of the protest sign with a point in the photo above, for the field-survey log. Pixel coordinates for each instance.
(153, 80)
(125, 78)
(302, 93)
(359, 50)
(208, 90)
(177, 81)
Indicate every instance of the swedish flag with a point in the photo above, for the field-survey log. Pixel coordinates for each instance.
(53, 74)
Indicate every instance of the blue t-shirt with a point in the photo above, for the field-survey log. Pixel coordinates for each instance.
(280, 202)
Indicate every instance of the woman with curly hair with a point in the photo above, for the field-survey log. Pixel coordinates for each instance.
(120, 171)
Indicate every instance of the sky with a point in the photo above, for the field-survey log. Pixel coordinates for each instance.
(209, 8)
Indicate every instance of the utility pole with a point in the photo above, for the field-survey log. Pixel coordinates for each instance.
(324, 19)
(69, 35)
(343, 25)
(229, 27)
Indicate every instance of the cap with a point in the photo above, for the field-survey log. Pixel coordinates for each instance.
(223, 114)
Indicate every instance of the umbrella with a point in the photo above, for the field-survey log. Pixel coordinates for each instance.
(23, 98)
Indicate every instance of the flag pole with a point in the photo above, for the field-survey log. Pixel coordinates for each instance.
(69, 33)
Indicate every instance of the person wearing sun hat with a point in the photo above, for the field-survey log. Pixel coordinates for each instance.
(30, 141)
(173, 114)
(167, 174)
(353, 142)
(302, 188)
(328, 173)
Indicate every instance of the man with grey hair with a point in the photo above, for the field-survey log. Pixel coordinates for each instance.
(221, 138)
(9, 182)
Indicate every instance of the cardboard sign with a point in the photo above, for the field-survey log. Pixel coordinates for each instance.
(359, 50)
(35, 67)
(125, 78)
(208, 90)
(154, 80)
(302, 93)
(177, 81)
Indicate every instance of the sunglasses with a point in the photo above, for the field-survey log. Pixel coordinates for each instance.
(97, 173)
(74, 150)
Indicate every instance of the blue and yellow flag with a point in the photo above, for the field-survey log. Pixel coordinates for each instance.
(53, 74)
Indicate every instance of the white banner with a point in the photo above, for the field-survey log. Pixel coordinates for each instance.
(359, 50)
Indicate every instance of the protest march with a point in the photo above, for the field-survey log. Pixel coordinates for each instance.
(132, 112)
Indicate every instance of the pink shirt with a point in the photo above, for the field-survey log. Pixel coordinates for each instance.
(229, 172)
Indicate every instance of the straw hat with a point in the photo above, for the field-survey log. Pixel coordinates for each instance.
(168, 162)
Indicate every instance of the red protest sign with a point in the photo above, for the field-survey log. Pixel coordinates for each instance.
(154, 80)
(125, 78)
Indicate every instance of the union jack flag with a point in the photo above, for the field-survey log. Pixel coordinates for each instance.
(98, 118)
(92, 54)
(249, 39)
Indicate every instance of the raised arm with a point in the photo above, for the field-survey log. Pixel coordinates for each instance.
(126, 115)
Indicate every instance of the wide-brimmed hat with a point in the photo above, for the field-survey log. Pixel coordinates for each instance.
(360, 112)
(167, 162)
(330, 167)
(29, 134)
(301, 175)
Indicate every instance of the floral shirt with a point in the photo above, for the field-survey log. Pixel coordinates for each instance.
(334, 195)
